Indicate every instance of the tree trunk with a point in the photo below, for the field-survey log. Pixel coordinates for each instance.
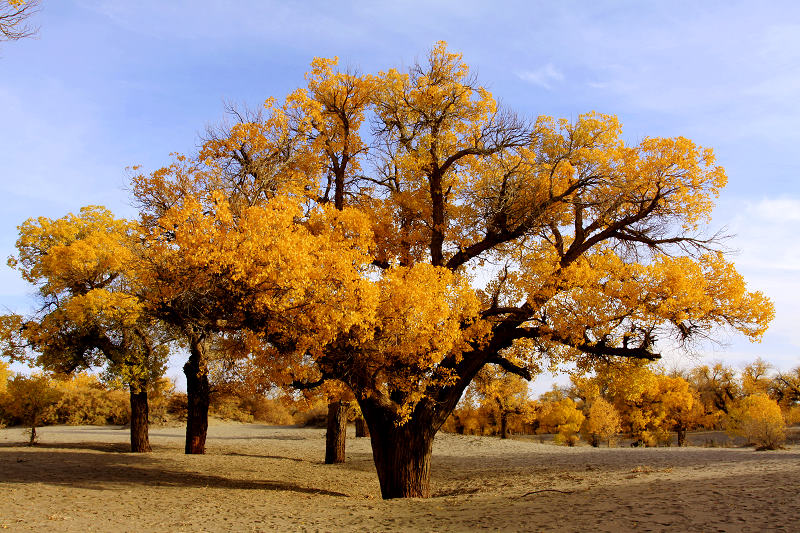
(361, 427)
(197, 392)
(33, 436)
(681, 436)
(503, 425)
(140, 425)
(336, 436)
(402, 458)
(402, 453)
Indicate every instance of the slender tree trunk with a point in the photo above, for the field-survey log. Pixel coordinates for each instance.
(681, 436)
(140, 425)
(402, 456)
(197, 392)
(336, 436)
(361, 427)
(33, 436)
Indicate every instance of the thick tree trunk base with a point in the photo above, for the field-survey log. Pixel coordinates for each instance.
(402, 458)
(336, 436)
(140, 424)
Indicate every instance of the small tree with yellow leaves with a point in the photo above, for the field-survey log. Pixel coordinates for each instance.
(602, 424)
(758, 418)
(31, 401)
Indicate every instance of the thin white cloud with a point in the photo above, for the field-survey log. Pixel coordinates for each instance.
(776, 209)
(545, 76)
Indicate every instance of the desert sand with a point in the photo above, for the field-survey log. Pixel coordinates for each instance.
(267, 478)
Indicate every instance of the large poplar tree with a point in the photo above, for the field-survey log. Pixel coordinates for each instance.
(456, 235)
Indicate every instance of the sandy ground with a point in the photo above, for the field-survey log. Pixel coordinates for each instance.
(266, 478)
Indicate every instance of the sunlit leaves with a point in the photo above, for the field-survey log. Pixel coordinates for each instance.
(357, 258)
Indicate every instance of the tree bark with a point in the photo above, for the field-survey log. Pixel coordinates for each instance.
(197, 392)
(140, 425)
(361, 427)
(336, 436)
(503, 424)
(402, 456)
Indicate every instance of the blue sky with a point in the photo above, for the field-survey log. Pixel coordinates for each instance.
(111, 84)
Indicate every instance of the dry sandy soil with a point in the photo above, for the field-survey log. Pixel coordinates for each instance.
(266, 478)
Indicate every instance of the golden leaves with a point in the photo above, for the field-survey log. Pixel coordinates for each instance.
(281, 222)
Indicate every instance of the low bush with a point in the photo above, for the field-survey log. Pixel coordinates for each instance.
(758, 418)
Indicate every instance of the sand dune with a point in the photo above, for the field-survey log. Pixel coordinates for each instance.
(265, 478)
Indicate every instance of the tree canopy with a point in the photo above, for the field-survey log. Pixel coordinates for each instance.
(91, 311)
(396, 232)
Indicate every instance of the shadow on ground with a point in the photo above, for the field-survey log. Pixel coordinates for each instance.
(88, 470)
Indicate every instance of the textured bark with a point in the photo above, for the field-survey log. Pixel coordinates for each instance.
(361, 427)
(336, 436)
(402, 458)
(197, 392)
(140, 426)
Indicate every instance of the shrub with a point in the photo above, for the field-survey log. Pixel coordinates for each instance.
(228, 407)
(758, 418)
(85, 400)
(177, 405)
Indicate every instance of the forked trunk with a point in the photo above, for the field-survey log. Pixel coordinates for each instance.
(402, 457)
(336, 436)
(197, 392)
(140, 426)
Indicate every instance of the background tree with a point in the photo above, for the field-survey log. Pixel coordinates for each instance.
(90, 314)
(31, 400)
(758, 418)
(717, 387)
(562, 417)
(786, 391)
(220, 258)
(682, 410)
(601, 424)
(502, 394)
(755, 378)
(596, 247)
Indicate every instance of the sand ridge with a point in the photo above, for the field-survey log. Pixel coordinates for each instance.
(267, 478)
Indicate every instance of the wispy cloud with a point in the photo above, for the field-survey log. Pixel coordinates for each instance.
(545, 76)
(777, 209)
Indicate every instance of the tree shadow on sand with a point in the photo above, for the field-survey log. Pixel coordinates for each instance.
(113, 471)
(107, 447)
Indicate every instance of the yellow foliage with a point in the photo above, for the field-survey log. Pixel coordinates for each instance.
(5, 375)
(82, 268)
(759, 419)
(357, 260)
(602, 424)
(563, 418)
